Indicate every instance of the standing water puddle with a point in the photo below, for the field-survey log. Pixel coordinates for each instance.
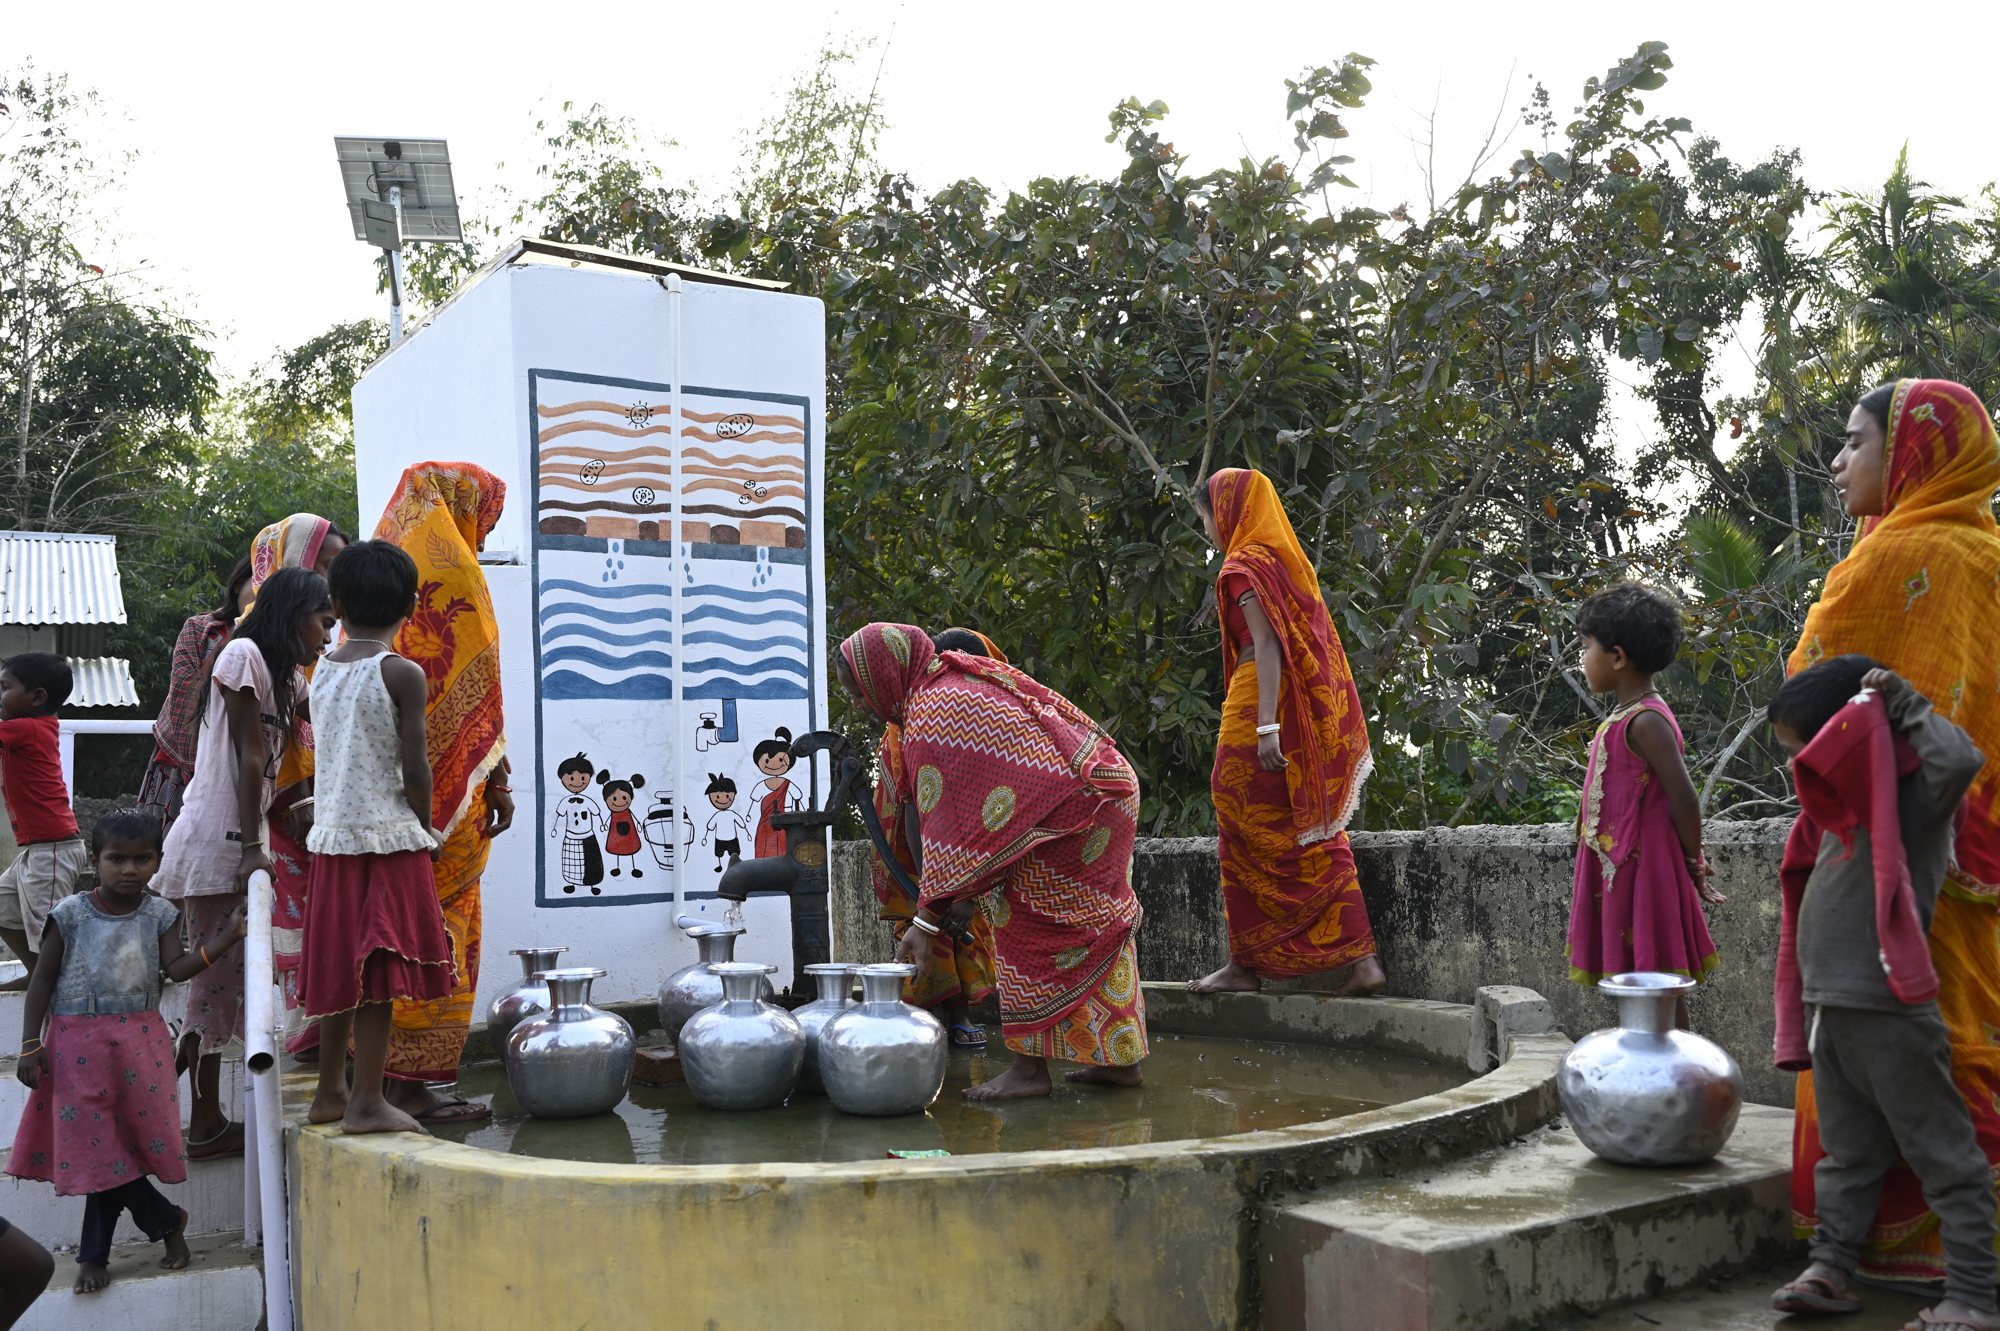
(1195, 1087)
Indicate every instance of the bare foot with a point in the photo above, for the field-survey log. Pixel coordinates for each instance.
(90, 1277)
(1027, 1077)
(177, 1246)
(327, 1107)
(208, 1144)
(1363, 977)
(427, 1106)
(1235, 978)
(1103, 1076)
(381, 1116)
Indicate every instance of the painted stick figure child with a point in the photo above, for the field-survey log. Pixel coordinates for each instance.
(578, 821)
(776, 793)
(622, 840)
(725, 826)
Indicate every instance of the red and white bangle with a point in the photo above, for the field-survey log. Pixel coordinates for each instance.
(921, 923)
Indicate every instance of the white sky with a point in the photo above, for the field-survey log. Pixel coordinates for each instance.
(235, 202)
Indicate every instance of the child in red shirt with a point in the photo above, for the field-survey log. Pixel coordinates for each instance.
(32, 686)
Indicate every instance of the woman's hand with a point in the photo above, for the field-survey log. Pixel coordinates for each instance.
(1701, 871)
(29, 1069)
(253, 859)
(499, 808)
(237, 926)
(299, 818)
(957, 916)
(1271, 752)
(914, 949)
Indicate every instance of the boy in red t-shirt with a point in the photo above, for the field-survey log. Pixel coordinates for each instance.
(32, 686)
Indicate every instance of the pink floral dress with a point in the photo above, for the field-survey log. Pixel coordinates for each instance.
(1634, 907)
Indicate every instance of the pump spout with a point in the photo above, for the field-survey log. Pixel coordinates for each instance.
(772, 873)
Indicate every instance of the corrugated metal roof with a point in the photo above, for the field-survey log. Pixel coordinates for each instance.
(49, 577)
(101, 681)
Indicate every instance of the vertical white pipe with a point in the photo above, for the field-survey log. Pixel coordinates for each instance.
(683, 797)
(263, 1113)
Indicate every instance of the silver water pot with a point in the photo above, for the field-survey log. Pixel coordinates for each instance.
(574, 1059)
(742, 1053)
(884, 1056)
(834, 999)
(694, 987)
(1643, 1093)
(526, 997)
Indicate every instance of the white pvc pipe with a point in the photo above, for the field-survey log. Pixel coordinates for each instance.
(683, 801)
(263, 1112)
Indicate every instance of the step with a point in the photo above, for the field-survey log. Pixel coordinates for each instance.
(212, 1194)
(222, 1289)
(14, 1095)
(1536, 1230)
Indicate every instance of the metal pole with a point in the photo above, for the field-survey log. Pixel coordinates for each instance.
(396, 269)
(263, 1112)
(683, 797)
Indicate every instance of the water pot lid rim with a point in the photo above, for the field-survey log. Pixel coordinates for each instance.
(902, 968)
(573, 973)
(830, 968)
(740, 968)
(534, 951)
(1634, 984)
(713, 930)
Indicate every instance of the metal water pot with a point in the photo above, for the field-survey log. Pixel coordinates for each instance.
(834, 986)
(526, 997)
(884, 1056)
(693, 987)
(575, 1059)
(742, 1053)
(1643, 1093)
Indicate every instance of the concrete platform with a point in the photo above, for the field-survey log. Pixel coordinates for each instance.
(1526, 1234)
(1743, 1303)
(222, 1289)
(212, 1194)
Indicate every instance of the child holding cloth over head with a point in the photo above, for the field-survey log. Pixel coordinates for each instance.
(104, 1105)
(1880, 778)
(373, 929)
(1640, 873)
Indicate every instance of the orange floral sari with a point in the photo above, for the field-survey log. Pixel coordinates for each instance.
(1920, 592)
(441, 515)
(1289, 885)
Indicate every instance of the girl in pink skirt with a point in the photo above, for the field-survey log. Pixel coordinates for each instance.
(104, 1109)
(1640, 873)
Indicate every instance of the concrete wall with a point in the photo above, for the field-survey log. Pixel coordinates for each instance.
(1453, 909)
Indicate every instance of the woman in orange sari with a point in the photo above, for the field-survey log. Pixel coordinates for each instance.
(960, 973)
(441, 515)
(1291, 759)
(1920, 592)
(1026, 815)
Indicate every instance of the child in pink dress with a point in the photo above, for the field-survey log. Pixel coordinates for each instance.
(1640, 874)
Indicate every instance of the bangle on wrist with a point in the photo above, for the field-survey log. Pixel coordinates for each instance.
(1271, 729)
(924, 924)
(299, 802)
(504, 790)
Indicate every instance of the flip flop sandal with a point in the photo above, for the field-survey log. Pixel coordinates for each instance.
(977, 1038)
(441, 1113)
(1814, 1294)
(1924, 1321)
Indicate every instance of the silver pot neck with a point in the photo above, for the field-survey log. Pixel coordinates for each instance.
(1646, 1000)
(569, 991)
(884, 984)
(537, 959)
(741, 980)
(719, 945)
(832, 981)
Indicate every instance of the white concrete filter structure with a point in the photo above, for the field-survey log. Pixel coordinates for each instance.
(658, 577)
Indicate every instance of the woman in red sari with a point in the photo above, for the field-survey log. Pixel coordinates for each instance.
(1291, 759)
(1026, 815)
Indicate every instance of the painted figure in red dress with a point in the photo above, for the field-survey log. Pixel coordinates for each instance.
(621, 834)
(776, 793)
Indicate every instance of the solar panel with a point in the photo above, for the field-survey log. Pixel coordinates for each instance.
(370, 167)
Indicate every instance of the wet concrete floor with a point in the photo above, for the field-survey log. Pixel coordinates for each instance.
(1195, 1087)
(1743, 1303)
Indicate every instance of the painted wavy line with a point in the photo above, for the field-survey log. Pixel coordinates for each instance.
(740, 459)
(754, 437)
(712, 665)
(598, 591)
(568, 474)
(591, 656)
(779, 488)
(601, 506)
(548, 432)
(759, 415)
(563, 632)
(725, 511)
(738, 594)
(775, 689)
(664, 617)
(745, 644)
(568, 686)
(550, 410)
(702, 612)
(767, 475)
(560, 451)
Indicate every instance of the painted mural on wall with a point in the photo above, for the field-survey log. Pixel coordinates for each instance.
(624, 809)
